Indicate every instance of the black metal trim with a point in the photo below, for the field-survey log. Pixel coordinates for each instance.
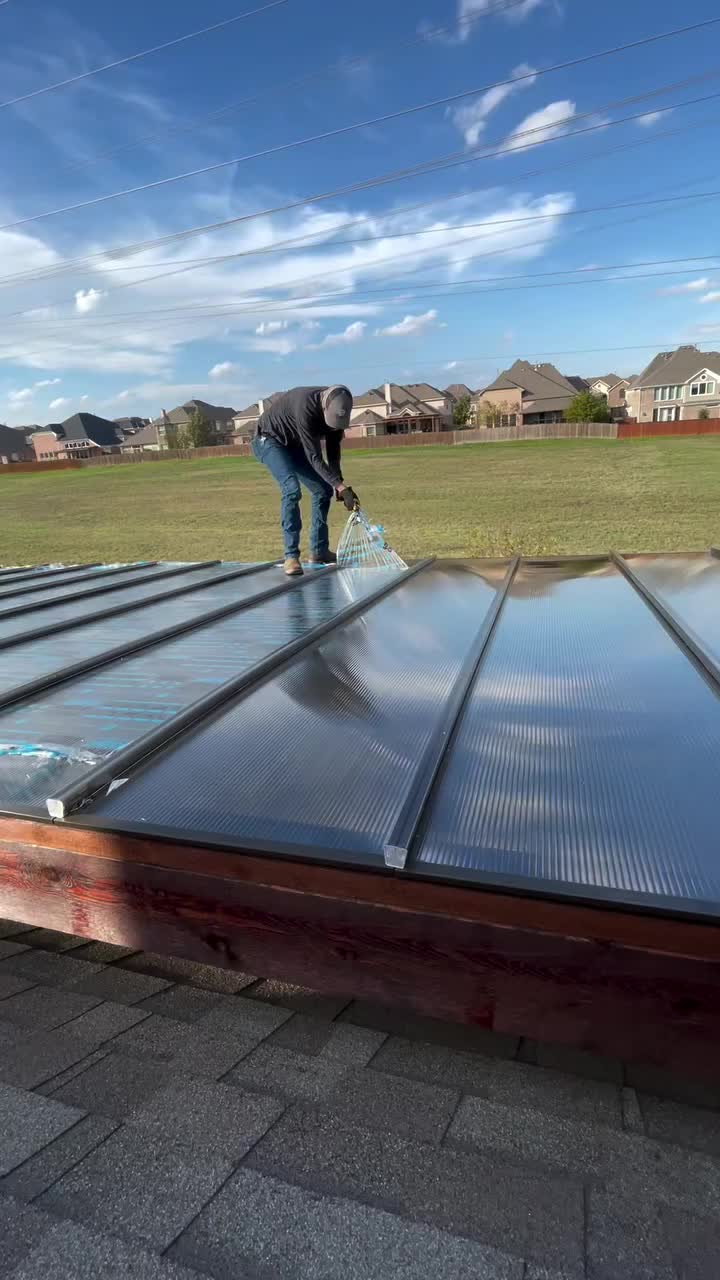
(80, 577)
(396, 847)
(23, 692)
(671, 623)
(103, 590)
(23, 571)
(52, 628)
(38, 571)
(161, 737)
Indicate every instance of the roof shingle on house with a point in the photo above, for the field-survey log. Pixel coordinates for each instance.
(458, 391)
(12, 442)
(88, 426)
(546, 388)
(675, 367)
(144, 438)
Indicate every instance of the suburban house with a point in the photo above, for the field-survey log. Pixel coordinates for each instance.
(13, 446)
(147, 438)
(129, 426)
(245, 422)
(219, 417)
(458, 391)
(84, 435)
(394, 409)
(523, 395)
(677, 385)
(614, 388)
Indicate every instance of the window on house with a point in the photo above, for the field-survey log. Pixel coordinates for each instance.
(668, 393)
(508, 419)
(702, 388)
(666, 415)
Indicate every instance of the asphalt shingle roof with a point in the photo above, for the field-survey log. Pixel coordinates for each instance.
(12, 441)
(275, 1130)
(88, 426)
(672, 367)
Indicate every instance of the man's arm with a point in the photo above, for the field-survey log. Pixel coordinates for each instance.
(330, 471)
(333, 444)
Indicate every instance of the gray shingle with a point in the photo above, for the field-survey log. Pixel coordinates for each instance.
(248, 1020)
(103, 952)
(137, 1188)
(299, 999)
(51, 968)
(42, 1008)
(184, 1003)
(477, 1196)
(694, 1244)
(120, 986)
(27, 1123)
(88, 1256)
(43, 1169)
(306, 1077)
(113, 1086)
(577, 1062)
(632, 1118)
(35, 1059)
(392, 1105)
(52, 940)
(105, 1021)
(625, 1238)
(417, 1026)
(283, 1231)
(193, 1049)
(662, 1083)
(176, 969)
(676, 1122)
(12, 983)
(21, 1228)
(214, 1119)
(313, 1036)
(55, 1083)
(9, 948)
(685, 1179)
(13, 928)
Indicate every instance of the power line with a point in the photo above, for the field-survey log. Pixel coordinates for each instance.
(144, 53)
(321, 73)
(306, 240)
(384, 119)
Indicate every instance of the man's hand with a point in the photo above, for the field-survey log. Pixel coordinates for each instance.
(348, 496)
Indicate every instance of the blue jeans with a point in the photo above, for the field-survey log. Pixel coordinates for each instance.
(289, 467)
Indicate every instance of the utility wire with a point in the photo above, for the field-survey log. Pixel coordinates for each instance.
(144, 53)
(343, 65)
(308, 239)
(362, 124)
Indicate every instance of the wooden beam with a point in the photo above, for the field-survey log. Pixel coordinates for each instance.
(547, 970)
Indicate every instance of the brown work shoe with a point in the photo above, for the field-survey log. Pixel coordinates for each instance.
(322, 557)
(293, 567)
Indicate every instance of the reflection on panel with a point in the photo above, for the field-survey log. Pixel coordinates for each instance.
(689, 585)
(11, 589)
(589, 754)
(319, 759)
(53, 739)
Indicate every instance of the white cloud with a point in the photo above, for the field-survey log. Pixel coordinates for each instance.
(471, 11)
(271, 326)
(59, 403)
(690, 286)
(410, 325)
(471, 118)
(222, 370)
(650, 118)
(713, 296)
(354, 332)
(540, 126)
(274, 346)
(48, 382)
(16, 398)
(123, 395)
(87, 300)
(451, 364)
(83, 399)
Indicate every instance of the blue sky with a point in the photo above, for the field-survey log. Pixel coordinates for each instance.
(86, 334)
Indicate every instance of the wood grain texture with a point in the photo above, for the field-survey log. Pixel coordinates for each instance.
(323, 929)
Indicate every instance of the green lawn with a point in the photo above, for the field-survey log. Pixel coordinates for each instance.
(545, 497)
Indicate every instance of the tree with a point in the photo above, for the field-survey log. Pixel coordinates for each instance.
(462, 412)
(172, 436)
(198, 432)
(588, 408)
(703, 415)
(491, 415)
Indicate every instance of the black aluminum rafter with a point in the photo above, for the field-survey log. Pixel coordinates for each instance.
(104, 589)
(39, 585)
(160, 738)
(23, 692)
(399, 842)
(41, 575)
(671, 622)
(114, 610)
(23, 571)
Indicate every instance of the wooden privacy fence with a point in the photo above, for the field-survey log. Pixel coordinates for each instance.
(691, 427)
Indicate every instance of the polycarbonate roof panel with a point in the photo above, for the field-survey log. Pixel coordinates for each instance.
(81, 611)
(36, 658)
(55, 738)
(688, 585)
(74, 579)
(588, 758)
(318, 760)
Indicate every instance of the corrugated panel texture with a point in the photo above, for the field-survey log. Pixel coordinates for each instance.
(73, 579)
(589, 755)
(29, 661)
(689, 585)
(53, 739)
(319, 759)
(139, 587)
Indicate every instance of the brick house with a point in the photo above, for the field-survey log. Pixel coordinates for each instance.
(220, 418)
(523, 395)
(84, 435)
(614, 388)
(13, 447)
(676, 386)
(394, 409)
(245, 422)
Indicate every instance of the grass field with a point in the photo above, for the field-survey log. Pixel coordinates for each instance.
(550, 496)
